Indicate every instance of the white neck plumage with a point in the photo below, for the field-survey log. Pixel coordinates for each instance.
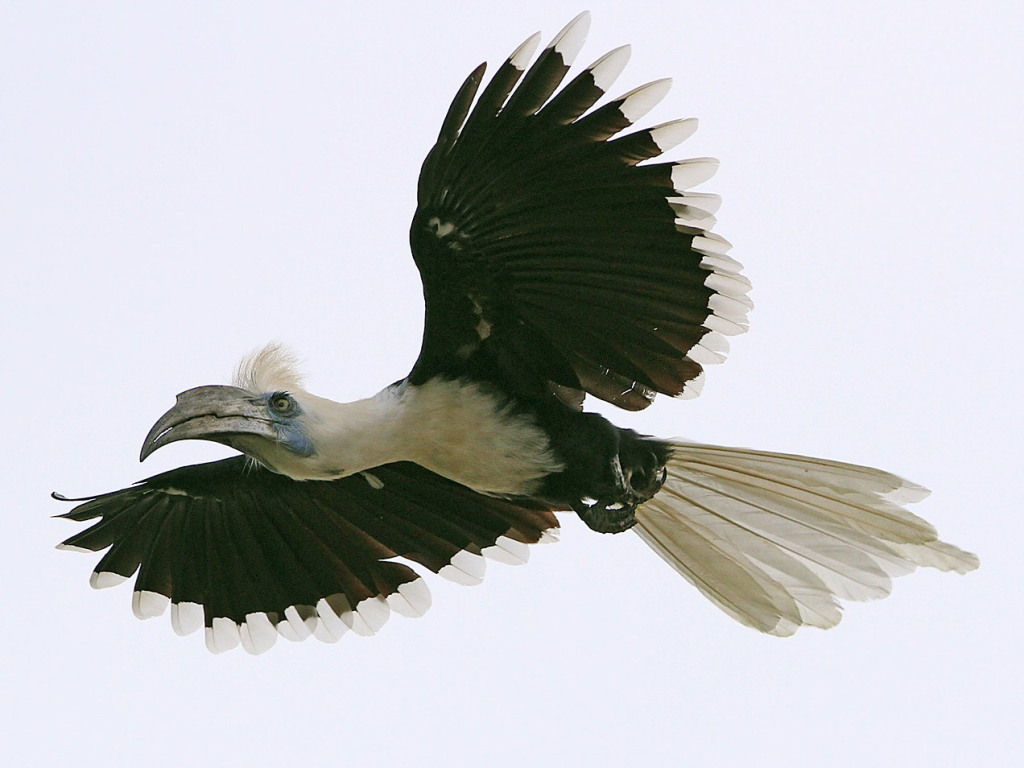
(349, 437)
(452, 427)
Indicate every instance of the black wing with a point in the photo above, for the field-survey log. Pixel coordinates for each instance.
(250, 554)
(551, 257)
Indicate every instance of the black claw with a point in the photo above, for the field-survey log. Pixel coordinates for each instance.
(661, 481)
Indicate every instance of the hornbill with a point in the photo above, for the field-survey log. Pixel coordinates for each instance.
(558, 260)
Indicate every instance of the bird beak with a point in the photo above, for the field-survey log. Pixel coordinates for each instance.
(215, 413)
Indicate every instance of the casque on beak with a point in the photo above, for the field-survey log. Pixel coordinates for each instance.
(213, 412)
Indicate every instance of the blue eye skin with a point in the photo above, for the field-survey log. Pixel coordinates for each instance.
(282, 404)
(285, 412)
(290, 432)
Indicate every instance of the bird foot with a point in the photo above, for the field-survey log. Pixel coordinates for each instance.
(606, 518)
(615, 516)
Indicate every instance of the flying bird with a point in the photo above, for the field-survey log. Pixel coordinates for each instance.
(560, 258)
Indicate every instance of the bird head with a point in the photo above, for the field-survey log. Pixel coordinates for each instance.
(265, 414)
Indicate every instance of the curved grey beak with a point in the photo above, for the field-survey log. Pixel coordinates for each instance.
(214, 413)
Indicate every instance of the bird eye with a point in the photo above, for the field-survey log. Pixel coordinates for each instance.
(282, 403)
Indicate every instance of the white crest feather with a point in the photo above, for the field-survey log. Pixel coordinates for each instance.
(273, 367)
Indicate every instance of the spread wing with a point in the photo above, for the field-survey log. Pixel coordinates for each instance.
(553, 256)
(251, 554)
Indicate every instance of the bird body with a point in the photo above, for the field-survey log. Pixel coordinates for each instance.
(560, 259)
(470, 431)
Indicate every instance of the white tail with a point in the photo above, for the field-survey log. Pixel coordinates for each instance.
(773, 539)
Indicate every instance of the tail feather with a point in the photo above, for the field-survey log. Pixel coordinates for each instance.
(796, 524)
(775, 540)
(938, 555)
(865, 499)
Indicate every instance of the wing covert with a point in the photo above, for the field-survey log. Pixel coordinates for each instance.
(554, 257)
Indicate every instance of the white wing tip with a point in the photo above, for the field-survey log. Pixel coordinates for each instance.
(106, 579)
(223, 635)
(72, 548)
(690, 173)
(186, 618)
(521, 56)
(607, 69)
(146, 605)
(508, 551)
(257, 634)
(670, 135)
(642, 100)
(569, 41)
(465, 568)
(725, 326)
(550, 536)
(299, 623)
(693, 387)
(412, 599)
(710, 350)
(705, 201)
(369, 616)
(330, 610)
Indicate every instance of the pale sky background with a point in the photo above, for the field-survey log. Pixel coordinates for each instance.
(180, 183)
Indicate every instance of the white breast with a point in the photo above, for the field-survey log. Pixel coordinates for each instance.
(458, 430)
